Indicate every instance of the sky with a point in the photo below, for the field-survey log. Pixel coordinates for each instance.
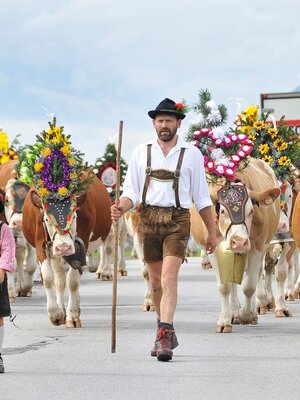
(93, 63)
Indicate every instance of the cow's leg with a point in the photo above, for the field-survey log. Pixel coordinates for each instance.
(225, 318)
(297, 274)
(205, 263)
(27, 262)
(281, 309)
(11, 287)
(290, 280)
(248, 313)
(148, 305)
(264, 291)
(55, 312)
(93, 261)
(234, 304)
(104, 271)
(122, 271)
(73, 308)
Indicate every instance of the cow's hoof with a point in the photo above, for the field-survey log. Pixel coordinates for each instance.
(223, 329)
(254, 320)
(262, 310)
(290, 297)
(73, 324)
(235, 321)
(206, 265)
(148, 307)
(122, 272)
(98, 275)
(12, 299)
(282, 313)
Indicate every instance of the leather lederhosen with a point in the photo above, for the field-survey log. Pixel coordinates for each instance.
(163, 175)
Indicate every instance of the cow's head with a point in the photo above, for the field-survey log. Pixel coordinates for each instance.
(234, 208)
(286, 203)
(60, 221)
(15, 194)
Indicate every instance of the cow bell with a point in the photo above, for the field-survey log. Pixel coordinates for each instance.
(78, 259)
(231, 265)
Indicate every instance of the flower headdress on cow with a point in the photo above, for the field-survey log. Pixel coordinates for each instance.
(105, 169)
(224, 152)
(53, 165)
(7, 152)
(274, 143)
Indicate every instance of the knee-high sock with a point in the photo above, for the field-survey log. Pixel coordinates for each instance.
(1, 337)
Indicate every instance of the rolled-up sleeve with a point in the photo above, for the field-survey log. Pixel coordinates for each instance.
(200, 190)
(131, 185)
(8, 249)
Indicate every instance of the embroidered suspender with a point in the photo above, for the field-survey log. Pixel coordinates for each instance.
(163, 175)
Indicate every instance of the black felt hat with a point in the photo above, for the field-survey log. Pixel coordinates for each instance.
(167, 106)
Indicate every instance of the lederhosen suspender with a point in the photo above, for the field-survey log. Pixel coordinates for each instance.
(163, 175)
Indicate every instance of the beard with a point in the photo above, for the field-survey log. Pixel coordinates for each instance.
(166, 135)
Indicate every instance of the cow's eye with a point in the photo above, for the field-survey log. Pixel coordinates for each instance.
(251, 211)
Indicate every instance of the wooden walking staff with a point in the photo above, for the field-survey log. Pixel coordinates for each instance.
(116, 244)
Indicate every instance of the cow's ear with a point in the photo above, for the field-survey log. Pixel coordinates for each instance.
(81, 199)
(266, 197)
(35, 199)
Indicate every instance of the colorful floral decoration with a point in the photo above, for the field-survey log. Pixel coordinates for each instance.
(224, 152)
(7, 152)
(105, 169)
(53, 165)
(276, 144)
(182, 107)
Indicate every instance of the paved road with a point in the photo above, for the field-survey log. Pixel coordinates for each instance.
(44, 362)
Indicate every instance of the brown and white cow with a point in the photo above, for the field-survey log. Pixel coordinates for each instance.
(54, 228)
(296, 221)
(250, 236)
(14, 196)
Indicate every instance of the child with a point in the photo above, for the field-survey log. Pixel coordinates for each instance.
(7, 258)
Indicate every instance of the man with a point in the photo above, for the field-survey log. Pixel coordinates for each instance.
(7, 263)
(166, 175)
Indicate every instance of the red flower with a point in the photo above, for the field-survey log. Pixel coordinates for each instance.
(179, 105)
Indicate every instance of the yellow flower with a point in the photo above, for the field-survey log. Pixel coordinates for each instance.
(284, 160)
(73, 175)
(43, 192)
(71, 161)
(55, 140)
(15, 157)
(66, 150)
(251, 112)
(273, 132)
(46, 152)
(280, 145)
(246, 129)
(63, 191)
(40, 183)
(267, 159)
(38, 166)
(252, 136)
(264, 148)
(259, 125)
(4, 159)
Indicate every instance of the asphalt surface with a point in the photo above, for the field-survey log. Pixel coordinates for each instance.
(45, 362)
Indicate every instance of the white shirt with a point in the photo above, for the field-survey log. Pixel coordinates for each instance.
(192, 180)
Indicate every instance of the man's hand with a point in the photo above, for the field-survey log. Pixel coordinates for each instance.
(2, 274)
(211, 243)
(117, 211)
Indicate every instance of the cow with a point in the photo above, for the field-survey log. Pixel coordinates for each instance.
(61, 232)
(296, 221)
(14, 194)
(245, 226)
(102, 264)
(132, 219)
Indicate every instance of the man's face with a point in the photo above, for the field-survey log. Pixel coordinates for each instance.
(166, 126)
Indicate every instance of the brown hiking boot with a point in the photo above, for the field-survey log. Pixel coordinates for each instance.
(163, 344)
(174, 342)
